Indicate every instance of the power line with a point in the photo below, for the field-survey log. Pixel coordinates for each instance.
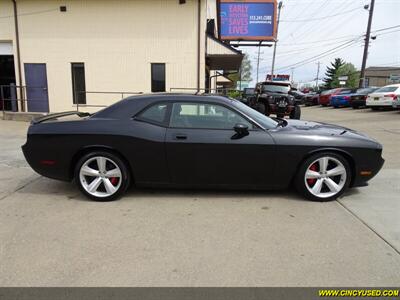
(324, 17)
(323, 54)
(386, 28)
(30, 13)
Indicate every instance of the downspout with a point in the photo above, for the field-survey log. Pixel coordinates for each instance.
(198, 43)
(18, 55)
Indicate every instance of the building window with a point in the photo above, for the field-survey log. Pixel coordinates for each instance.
(78, 83)
(158, 77)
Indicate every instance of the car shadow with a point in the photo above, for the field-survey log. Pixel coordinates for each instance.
(61, 190)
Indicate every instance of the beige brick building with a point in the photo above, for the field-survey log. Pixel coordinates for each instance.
(381, 76)
(70, 46)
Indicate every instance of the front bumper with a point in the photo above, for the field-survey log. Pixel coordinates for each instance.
(373, 165)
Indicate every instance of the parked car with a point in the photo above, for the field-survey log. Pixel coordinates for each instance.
(311, 99)
(342, 99)
(325, 96)
(191, 141)
(387, 96)
(299, 97)
(359, 98)
(273, 97)
(247, 95)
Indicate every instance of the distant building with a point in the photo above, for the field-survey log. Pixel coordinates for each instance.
(381, 76)
(64, 53)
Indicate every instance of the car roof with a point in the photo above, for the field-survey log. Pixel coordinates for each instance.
(178, 96)
(133, 104)
(392, 85)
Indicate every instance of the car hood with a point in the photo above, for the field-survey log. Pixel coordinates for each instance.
(301, 127)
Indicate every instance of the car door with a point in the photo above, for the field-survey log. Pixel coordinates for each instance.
(202, 147)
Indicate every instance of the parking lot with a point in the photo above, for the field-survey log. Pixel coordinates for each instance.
(50, 235)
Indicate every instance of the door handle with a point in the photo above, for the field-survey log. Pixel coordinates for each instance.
(181, 137)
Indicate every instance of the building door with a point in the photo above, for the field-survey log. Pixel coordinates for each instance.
(36, 87)
(7, 77)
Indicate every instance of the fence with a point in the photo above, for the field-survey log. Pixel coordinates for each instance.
(16, 98)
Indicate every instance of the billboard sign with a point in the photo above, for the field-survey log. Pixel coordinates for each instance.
(247, 20)
(278, 77)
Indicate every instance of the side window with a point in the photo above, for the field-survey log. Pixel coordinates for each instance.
(154, 114)
(204, 115)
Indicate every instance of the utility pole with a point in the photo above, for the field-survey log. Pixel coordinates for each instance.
(258, 60)
(367, 37)
(317, 86)
(292, 76)
(276, 41)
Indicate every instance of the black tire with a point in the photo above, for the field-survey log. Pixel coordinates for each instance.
(300, 181)
(125, 175)
(356, 107)
(295, 113)
(374, 108)
(260, 108)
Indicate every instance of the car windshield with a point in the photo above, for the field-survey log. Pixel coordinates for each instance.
(263, 120)
(343, 92)
(274, 88)
(386, 89)
(365, 90)
(326, 92)
(248, 91)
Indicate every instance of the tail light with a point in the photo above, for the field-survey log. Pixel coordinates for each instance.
(365, 97)
(393, 96)
(347, 97)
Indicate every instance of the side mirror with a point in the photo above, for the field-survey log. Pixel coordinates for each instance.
(241, 129)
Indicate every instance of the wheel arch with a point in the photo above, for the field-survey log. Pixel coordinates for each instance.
(342, 152)
(87, 149)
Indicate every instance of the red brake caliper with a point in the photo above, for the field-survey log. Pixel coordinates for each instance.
(114, 180)
(311, 181)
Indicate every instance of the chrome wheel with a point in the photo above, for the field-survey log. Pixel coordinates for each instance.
(325, 177)
(100, 176)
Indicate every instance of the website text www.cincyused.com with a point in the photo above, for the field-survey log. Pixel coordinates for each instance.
(358, 293)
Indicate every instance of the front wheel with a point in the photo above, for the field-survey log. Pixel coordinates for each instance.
(323, 176)
(102, 176)
(260, 108)
(295, 113)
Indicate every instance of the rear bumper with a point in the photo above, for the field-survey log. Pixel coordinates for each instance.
(358, 102)
(340, 102)
(37, 161)
(376, 103)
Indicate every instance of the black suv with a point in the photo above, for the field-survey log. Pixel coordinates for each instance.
(273, 97)
(247, 95)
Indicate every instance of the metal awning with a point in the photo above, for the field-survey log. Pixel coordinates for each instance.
(224, 81)
(221, 56)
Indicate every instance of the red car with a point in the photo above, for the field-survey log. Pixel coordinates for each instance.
(325, 97)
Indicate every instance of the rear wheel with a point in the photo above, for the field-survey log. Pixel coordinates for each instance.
(374, 108)
(355, 106)
(323, 177)
(102, 176)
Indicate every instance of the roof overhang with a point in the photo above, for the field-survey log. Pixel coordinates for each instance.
(221, 56)
(224, 81)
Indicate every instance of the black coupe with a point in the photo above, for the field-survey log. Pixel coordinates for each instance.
(198, 141)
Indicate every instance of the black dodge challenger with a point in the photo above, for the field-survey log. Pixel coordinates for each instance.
(198, 141)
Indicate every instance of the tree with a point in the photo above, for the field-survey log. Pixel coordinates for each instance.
(246, 68)
(349, 70)
(245, 71)
(331, 72)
